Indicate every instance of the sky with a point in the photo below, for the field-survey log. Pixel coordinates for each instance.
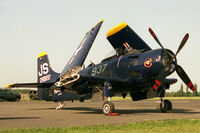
(28, 27)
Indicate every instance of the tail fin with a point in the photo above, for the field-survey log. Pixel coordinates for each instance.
(44, 70)
(45, 74)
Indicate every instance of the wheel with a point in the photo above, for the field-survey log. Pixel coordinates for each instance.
(31, 97)
(166, 106)
(81, 99)
(108, 107)
(17, 99)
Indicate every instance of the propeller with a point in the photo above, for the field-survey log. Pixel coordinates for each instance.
(155, 37)
(157, 40)
(168, 68)
(182, 44)
(184, 77)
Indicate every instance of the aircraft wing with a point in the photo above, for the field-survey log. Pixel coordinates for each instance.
(30, 85)
(81, 52)
(123, 37)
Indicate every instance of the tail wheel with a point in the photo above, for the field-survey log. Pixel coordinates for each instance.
(108, 107)
(165, 106)
(17, 99)
(81, 99)
(31, 97)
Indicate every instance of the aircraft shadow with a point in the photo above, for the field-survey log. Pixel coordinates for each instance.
(18, 118)
(88, 110)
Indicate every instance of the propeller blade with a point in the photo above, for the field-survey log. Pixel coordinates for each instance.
(182, 43)
(184, 77)
(164, 72)
(155, 37)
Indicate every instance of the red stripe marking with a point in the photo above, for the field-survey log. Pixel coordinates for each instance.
(186, 37)
(127, 46)
(155, 87)
(150, 30)
(153, 35)
(193, 88)
(158, 83)
(190, 85)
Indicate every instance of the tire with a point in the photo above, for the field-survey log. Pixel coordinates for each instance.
(31, 97)
(167, 106)
(108, 107)
(17, 99)
(81, 99)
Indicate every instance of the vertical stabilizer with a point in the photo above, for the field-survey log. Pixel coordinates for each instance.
(45, 74)
(44, 70)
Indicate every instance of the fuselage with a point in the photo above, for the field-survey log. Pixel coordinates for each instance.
(133, 73)
(130, 71)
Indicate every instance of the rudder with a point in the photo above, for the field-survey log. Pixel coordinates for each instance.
(45, 74)
(44, 70)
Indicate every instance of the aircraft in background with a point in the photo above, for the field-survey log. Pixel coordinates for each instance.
(134, 68)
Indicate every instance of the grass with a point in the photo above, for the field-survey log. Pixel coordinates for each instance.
(166, 126)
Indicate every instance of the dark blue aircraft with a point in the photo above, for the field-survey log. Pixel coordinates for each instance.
(134, 69)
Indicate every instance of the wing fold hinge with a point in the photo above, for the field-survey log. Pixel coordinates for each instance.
(69, 77)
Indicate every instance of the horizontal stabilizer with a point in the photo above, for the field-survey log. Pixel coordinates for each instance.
(30, 85)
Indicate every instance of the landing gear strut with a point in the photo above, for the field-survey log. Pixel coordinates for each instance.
(165, 105)
(61, 105)
(108, 107)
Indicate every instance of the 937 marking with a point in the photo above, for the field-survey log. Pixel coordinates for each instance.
(99, 69)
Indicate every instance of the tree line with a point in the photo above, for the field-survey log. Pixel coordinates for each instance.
(184, 92)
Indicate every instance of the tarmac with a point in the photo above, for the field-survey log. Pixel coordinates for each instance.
(39, 114)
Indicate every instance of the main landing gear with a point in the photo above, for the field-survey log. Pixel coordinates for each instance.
(165, 105)
(108, 107)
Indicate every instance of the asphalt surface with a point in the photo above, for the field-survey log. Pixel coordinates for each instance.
(42, 114)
